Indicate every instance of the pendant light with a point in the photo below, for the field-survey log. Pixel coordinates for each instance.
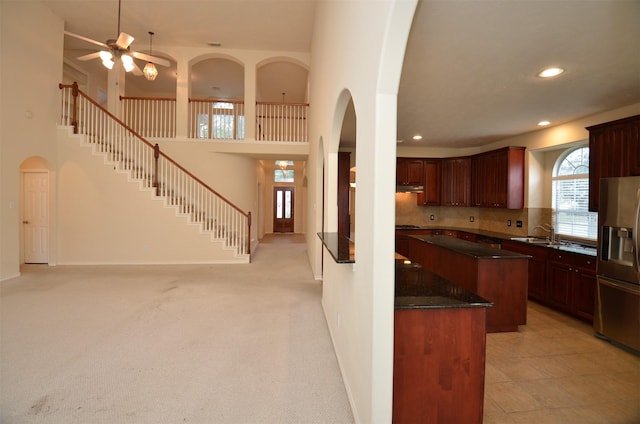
(150, 72)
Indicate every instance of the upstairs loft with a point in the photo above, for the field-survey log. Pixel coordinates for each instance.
(259, 103)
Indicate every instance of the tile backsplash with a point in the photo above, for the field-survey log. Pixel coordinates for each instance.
(487, 219)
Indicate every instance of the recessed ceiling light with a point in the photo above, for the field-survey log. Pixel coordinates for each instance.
(550, 72)
(417, 137)
(543, 123)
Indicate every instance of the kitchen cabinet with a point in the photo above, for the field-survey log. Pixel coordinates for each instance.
(455, 181)
(572, 283)
(499, 278)
(439, 365)
(497, 178)
(409, 171)
(537, 273)
(614, 151)
(563, 280)
(560, 276)
(432, 183)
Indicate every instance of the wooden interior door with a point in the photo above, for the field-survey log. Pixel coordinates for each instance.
(283, 209)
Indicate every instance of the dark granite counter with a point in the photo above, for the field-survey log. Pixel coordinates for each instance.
(341, 248)
(418, 288)
(476, 250)
(488, 236)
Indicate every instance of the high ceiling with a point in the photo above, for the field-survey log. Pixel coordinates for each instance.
(469, 76)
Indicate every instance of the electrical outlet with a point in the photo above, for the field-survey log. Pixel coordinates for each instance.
(508, 223)
(432, 217)
(519, 224)
(471, 218)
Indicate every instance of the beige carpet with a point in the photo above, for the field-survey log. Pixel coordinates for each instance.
(169, 344)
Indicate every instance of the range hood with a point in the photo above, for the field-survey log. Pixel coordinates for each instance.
(410, 188)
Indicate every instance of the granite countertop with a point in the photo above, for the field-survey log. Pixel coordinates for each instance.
(418, 288)
(341, 248)
(469, 248)
(574, 247)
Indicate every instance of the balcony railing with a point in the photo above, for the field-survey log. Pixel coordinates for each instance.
(281, 121)
(150, 117)
(216, 119)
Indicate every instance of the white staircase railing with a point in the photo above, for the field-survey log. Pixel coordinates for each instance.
(145, 162)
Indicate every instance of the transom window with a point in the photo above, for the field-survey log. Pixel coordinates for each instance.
(284, 172)
(570, 196)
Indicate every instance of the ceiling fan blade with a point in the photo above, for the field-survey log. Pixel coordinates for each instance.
(124, 40)
(89, 56)
(152, 59)
(136, 70)
(86, 39)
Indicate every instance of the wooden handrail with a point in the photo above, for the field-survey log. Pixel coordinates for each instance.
(157, 152)
(147, 98)
(283, 104)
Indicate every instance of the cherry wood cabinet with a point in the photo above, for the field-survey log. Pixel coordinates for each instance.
(432, 183)
(537, 273)
(409, 171)
(455, 181)
(438, 365)
(497, 178)
(563, 280)
(614, 151)
(500, 280)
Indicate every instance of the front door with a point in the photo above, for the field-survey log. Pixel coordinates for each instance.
(283, 209)
(35, 219)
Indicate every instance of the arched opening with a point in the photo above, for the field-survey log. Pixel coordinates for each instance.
(347, 173)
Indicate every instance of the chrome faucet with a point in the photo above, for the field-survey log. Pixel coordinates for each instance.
(549, 229)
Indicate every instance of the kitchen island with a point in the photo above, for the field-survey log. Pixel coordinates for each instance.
(439, 349)
(499, 276)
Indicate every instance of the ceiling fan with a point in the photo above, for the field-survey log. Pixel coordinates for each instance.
(118, 49)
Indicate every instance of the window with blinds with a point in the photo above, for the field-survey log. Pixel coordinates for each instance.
(570, 196)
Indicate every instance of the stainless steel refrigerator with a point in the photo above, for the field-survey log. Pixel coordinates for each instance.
(617, 315)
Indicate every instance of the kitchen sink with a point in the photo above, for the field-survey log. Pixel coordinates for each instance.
(538, 240)
(533, 240)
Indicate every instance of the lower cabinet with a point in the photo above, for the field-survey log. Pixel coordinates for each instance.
(562, 280)
(439, 365)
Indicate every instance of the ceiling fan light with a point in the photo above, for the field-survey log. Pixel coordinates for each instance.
(150, 72)
(108, 63)
(127, 62)
(104, 55)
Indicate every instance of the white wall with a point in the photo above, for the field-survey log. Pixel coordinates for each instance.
(30, 71)
(358, 49)
(104, 218)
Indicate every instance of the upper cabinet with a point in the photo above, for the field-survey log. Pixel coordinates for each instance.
(409, 171)
(493, 179)
(497, 178)
(432, 183)
(455, 181)
(614, 151)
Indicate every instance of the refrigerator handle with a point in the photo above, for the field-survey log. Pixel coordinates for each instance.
(635, 231)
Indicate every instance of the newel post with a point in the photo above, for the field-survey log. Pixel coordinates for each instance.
(156, 155)
(74, 116)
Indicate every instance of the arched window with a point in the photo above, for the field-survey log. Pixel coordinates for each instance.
(571, 196)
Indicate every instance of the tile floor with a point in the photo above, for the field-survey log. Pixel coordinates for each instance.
(554, 370)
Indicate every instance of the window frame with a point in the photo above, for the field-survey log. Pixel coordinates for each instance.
(559, 221)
